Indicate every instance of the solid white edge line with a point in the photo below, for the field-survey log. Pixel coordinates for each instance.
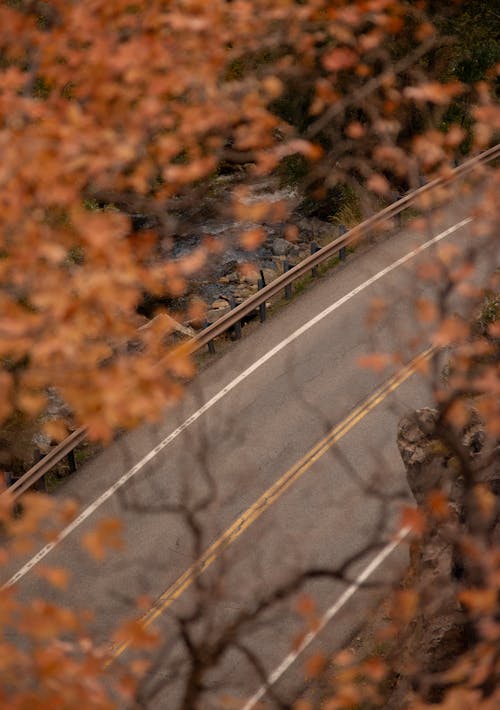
(328, 616)
(98, 502)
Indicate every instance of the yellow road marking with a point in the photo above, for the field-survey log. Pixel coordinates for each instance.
(272, 494)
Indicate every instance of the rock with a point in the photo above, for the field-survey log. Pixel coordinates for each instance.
(251, 277)
(214, 314)
(269, 275)
(42, 442)
(169, 324)
(281, 247)
(228, 267)
(440, 632)
(220, 303)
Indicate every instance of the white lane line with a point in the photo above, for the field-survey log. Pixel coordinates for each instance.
(328, 616)
(98, 502)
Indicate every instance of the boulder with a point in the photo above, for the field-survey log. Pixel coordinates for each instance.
(281, 247)
(441, 632)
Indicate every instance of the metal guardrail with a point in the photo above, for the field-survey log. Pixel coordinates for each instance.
(48, 462)
(232, 319)
(234, 316)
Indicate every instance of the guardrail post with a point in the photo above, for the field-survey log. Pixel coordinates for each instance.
(262, 307)
(342, 250)
(236, 329)
(41, 484)
(72, 461)
(399, 217)
(314, 249)
(210, 344)
(288, 287)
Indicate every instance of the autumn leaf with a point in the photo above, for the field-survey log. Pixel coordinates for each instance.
(478, 600)
(379, 184)
(404, 605)
(104, 537)
(426, 310)
(134, 632)
(56, 576)
(315, 665)
(252, 238)
(374, 668)
(451, 330)
(413, 519)
(438, 504)
(355, 130)
(305, 605)
(56, 429)
(434, 92)
(339, 58)
(376, 361)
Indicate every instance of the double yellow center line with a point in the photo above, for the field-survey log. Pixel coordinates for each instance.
(272, 494)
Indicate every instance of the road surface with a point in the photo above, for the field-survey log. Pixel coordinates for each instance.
(276, 504)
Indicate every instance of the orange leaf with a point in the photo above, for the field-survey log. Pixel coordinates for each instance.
(374, 668)
(376, 362)
(315, 665)
(438, 504)
(302, 705)
(56, 576)
(378, 183)
(305, 605)
(292, 233)
(339, 58)
(458, 413)
(479, 601)
(405, 605)
(414, 519)
(135, 633)
(355, 130)
(426, 310)
(252, 238)
(452, 330)
(107, 534)
(56, 429)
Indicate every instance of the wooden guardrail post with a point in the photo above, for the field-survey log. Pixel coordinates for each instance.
(399, 216)
(236, 329)
(262, 307)
(342, 250)
(314, 249)
(72, 461)
(210, 344)
(288, 287)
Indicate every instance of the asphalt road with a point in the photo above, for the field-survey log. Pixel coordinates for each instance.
(234, 452)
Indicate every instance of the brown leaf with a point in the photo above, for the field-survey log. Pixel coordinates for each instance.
(56, 576)
(379, 184)
(376, 361)
(355, 130)
(438, 504)
(452, 330)
(414, 519)
(339, 58)
(405, 605)
(105, 536)
(252, 238)
(479, 601)
(315, 665)
(426, 310)
(305, 605)
(137, 635)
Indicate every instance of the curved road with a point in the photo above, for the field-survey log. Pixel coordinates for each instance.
(274, 504)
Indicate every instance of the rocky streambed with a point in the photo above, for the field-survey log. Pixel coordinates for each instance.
(232, 273)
